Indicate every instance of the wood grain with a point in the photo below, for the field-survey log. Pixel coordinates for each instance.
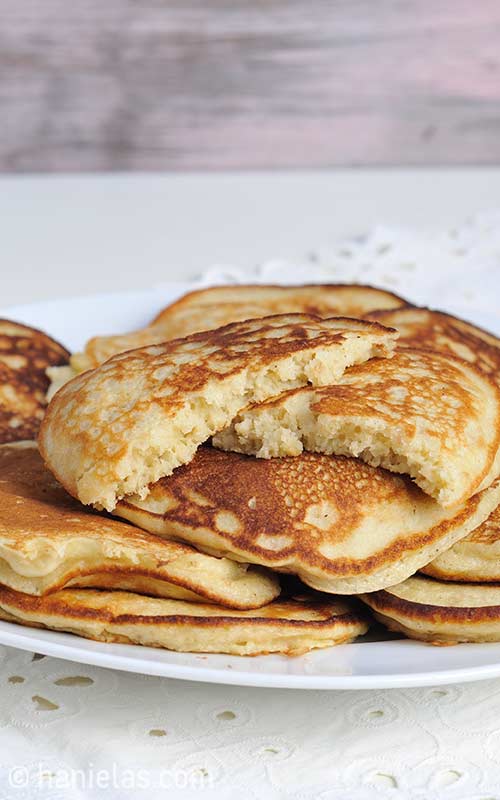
(190, 84)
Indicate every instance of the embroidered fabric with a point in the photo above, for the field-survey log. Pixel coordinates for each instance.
(72, 731)
(68, 730)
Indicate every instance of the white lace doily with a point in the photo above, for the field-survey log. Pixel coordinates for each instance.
(458, 267)
(69, 731)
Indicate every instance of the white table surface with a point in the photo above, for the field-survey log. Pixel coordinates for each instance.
(67, 236)
(81, 235)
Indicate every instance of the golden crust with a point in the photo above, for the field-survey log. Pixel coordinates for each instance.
(439, 612)
(112, 431)
(291, 627)
(323, 300)
(206, 309)
(435, 330)
(422, 413)
(48, 541)
(25, 354)
(474, 559)
(339, 524)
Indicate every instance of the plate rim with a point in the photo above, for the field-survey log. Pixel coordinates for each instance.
(20, 637)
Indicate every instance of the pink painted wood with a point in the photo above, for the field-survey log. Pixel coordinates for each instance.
(189, 84)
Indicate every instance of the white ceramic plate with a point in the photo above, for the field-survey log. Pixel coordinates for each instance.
(363, 665)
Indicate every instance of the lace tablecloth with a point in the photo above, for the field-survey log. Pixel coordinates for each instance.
(74, 731)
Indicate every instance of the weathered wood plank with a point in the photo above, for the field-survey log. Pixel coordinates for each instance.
(186, 84)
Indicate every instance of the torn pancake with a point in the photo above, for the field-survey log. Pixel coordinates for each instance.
(48, 541)
(475, 559)
(435, 330)
(25, 354)
(425, 414)
(110, 432)
(339, 524)
(216, 306)
(290, 627)
(439, 612)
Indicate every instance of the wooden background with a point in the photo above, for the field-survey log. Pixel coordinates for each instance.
(210, 84)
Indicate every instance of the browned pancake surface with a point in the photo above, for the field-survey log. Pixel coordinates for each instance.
(474, 559)
(216, 306)
(422, 327)
(439, 611)
(338, 523)
(290, 627)
(48, 540)
(25, 354)
(110, 432)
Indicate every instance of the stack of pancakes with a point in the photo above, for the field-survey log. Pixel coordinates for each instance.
(255, 470)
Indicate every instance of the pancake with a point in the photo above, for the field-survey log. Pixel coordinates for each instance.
(48, 541)
(439, 612)
(421, 413)
(475, 559)
(435, 330)
(112, 431)
(57, 377)
(339, 524)
(206, 309)
(291, 627)
(25, 354)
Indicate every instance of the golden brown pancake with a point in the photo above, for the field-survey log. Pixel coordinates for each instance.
(422, 327)
(206, 309)
(474, 559)
(339, 524)
(25, 354)
(425, 414)
(291, 627)
(114, 430)
(48, 541)
(439, 612)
